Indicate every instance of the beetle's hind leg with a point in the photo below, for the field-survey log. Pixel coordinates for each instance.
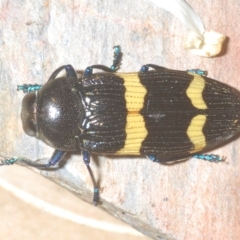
(198, 72)
(206, 157)
(117, 57)
(145, 68)
(154, 158)
(209, 157)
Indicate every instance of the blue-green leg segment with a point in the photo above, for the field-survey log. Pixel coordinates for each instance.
(117, 57)
(209, 157)
(153, 158)
(198, 72)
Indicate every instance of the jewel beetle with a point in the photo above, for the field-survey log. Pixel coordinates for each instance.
(157, 112)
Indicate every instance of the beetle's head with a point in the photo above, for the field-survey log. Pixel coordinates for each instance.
(28, 114)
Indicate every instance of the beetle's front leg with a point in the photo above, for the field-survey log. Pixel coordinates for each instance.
(56, 157)
(70, 73)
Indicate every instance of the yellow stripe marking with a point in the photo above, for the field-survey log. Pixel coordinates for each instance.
(195, 90)
(135, 128)
(135, 91)
(136, 133)
(195, 133)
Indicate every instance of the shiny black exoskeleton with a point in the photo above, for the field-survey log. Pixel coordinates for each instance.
(54, 113)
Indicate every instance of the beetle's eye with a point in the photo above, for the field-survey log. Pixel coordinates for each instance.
(28, 114)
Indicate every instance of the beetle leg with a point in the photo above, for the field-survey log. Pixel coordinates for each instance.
(146, 67)
(209, 157)
(153, 158)
(206, 157)
(117, 57)
(86, 159)
(56, 157)
(27, 88)
(69, 70)
(198, 72)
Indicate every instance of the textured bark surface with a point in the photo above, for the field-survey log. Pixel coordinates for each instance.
(191, 200)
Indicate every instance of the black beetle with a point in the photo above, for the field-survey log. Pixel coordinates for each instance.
(163, 114)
